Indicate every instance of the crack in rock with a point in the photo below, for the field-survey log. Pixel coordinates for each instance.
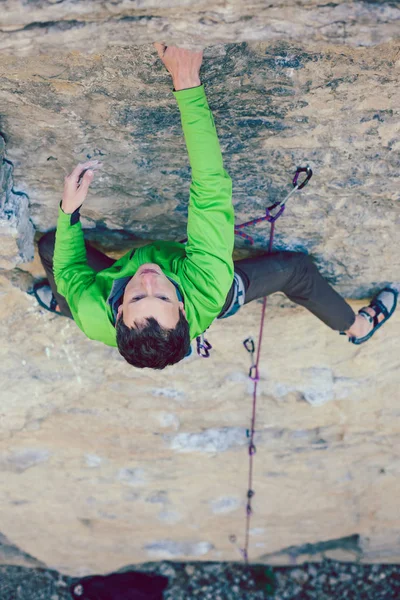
(16, 228)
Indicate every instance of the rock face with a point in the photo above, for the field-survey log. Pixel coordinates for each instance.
(16, 229)
(73, 86)
(36, 26)
(102, 465)
(114, 465)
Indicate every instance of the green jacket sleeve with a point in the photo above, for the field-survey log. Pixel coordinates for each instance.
(208, 266)
(72, 274)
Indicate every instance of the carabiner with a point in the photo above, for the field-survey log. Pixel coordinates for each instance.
(253, 373)
(249, 345)
(296, 187)
(252, 449)
(203, 346)
(299, 170)
(280, 205)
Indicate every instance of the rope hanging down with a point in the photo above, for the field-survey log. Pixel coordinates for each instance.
(249, 342)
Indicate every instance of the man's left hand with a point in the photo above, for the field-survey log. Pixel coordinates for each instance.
(76, 185)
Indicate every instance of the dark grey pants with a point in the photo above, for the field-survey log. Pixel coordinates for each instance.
(292, 273)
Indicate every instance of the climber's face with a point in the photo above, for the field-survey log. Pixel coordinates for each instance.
(150, 294)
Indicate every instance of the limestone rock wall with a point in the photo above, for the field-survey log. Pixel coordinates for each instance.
(34, 26)
(16, 229)
(102, 465)
(276, 104)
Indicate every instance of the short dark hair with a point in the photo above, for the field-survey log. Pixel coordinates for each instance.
(147, 344)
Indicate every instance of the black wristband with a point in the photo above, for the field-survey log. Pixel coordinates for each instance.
(75, 216)
(184, 89)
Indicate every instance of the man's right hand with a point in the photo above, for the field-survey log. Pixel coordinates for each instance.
(76, 185)
(183, 65)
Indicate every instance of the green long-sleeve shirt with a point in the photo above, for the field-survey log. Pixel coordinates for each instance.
(203, 269)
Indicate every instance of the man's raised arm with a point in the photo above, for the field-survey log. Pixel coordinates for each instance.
(210, 229)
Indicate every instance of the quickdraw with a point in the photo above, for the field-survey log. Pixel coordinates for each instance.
(280, 206)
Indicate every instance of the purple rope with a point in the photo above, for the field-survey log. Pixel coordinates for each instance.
(254, 372)
(255, 378)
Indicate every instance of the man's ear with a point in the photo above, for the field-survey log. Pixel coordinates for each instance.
(119, 313)
(181, 307)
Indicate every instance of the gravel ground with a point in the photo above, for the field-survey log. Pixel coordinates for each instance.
(227, 581)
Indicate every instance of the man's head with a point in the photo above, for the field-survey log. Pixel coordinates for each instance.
(152, 330)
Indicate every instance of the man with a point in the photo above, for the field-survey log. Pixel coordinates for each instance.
(153, 301)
